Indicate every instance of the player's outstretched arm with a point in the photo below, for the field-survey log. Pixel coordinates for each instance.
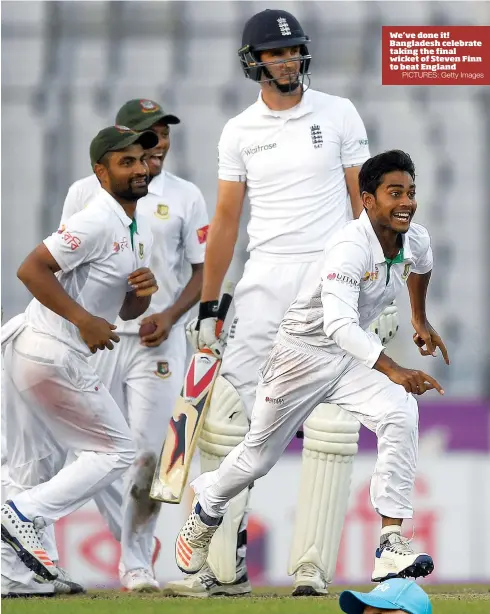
(425, 337)
(413, 380)
(222, 237)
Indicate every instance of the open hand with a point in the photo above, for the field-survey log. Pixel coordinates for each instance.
(428, 340)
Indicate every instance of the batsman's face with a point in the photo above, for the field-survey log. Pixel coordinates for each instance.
(127, 175)
(156, 156)
(394, 203)
(283, 64)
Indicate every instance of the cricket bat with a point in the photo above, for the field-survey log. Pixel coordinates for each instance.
(188, 417)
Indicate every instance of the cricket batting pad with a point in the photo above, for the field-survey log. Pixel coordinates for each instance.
(329, 446)
(225, 427)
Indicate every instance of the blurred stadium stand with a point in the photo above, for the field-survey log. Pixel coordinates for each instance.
(68, 66)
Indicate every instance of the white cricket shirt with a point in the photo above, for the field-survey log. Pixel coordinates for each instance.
(178, 217)
(96, 252)
(293, 163)
(356, 283)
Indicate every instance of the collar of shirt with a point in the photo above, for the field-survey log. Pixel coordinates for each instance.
(404, 254)
(302, 108)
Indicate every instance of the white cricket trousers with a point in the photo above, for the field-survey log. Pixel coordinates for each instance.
(56, 403)
(268, 287)
(292, 382)
(145, 383)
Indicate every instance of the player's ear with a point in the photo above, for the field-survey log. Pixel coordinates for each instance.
(368, 200)
(101, 171)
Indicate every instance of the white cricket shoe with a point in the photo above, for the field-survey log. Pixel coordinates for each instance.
(23, 535)
(192, 545)
(396, 558)
(65, 585)
(139, 581)
(309, 581)
(12, 589)
(204, 584)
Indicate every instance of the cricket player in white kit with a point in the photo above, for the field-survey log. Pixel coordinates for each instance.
(85, 274)
(298, 153)
(324, 353)
(145, 375)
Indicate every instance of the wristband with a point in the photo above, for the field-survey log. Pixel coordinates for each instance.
(208, 309)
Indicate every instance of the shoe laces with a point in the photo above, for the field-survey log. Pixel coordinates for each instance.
(138, 573)
(197, 533)
(310, 570)
(399, 544)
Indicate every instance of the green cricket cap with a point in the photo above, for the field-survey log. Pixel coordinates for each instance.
(116, 138)
(141, 114)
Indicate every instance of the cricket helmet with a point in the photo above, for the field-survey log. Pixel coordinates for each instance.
(272, 29)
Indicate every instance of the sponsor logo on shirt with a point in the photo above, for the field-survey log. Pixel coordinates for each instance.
(162, 370)
(202, 234)
(343, 279)
(277, 401)
(406, 272)
(162, 212)
(72, 240)
(316, 136)
(371, 276)
(250, 151)
(363, 142)
(120, 246)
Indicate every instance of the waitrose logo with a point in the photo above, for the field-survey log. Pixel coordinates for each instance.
(250, 151)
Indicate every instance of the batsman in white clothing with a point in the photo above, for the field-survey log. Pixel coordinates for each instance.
(145, 371)
(324, 354)
(82, 276)
(298, 153)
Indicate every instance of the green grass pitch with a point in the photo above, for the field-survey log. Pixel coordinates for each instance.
(448, 599)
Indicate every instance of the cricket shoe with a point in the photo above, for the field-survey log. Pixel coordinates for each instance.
(139, 581)
(23, 535)
(12, 589)
(65, 585)
(309, 581)
(395, 558)
(205, 584)
(193, 540)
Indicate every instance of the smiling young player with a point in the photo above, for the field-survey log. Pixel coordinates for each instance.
(323, 354)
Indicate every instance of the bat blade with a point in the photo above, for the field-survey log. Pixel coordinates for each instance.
(184, 429)
(170, 478)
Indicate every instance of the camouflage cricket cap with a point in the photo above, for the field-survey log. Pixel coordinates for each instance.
(115, 138)
(141, 114)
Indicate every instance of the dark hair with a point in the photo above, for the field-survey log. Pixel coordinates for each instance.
(373, 170)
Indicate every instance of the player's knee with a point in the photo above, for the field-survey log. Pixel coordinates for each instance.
(262, 461)
(405, 417)
(126, 455)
